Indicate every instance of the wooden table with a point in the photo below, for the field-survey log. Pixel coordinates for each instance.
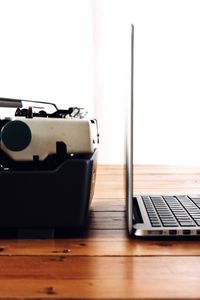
(104, 263)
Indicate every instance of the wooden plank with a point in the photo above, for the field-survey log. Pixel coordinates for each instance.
(106, 244)
(107, 220)
(151, 169)
(102, 204)
(100, 277)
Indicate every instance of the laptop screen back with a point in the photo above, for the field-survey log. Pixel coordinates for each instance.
(129, 138)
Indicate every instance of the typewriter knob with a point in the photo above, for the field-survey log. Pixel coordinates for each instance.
(16, 135)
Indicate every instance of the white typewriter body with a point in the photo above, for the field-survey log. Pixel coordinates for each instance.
(79, 135)
(27, 134)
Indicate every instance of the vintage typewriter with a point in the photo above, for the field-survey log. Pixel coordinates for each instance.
(47, 167)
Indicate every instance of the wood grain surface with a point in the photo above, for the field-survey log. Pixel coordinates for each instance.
(102, 262)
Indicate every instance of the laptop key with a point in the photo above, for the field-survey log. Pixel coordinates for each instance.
(185, 224)
(156, 224)
(197, 221)
(170, 225)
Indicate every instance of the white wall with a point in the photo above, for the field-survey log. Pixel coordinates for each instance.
(46, 51)
(167, 79)
(110, 47)
(76, 52)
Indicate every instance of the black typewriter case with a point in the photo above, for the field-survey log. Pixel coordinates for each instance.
(38, 199)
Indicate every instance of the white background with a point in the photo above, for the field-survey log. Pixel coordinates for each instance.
(46, 51)
(77, 52)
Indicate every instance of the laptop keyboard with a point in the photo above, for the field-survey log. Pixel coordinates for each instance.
(173, 211)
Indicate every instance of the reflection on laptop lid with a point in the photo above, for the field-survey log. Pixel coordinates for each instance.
(147, 215)
(129, 140)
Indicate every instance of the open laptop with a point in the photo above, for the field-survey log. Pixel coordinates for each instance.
(148, 215)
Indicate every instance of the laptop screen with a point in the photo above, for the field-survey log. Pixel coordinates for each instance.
(129, 138)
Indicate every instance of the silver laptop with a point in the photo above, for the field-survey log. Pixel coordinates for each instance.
(147, 215)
